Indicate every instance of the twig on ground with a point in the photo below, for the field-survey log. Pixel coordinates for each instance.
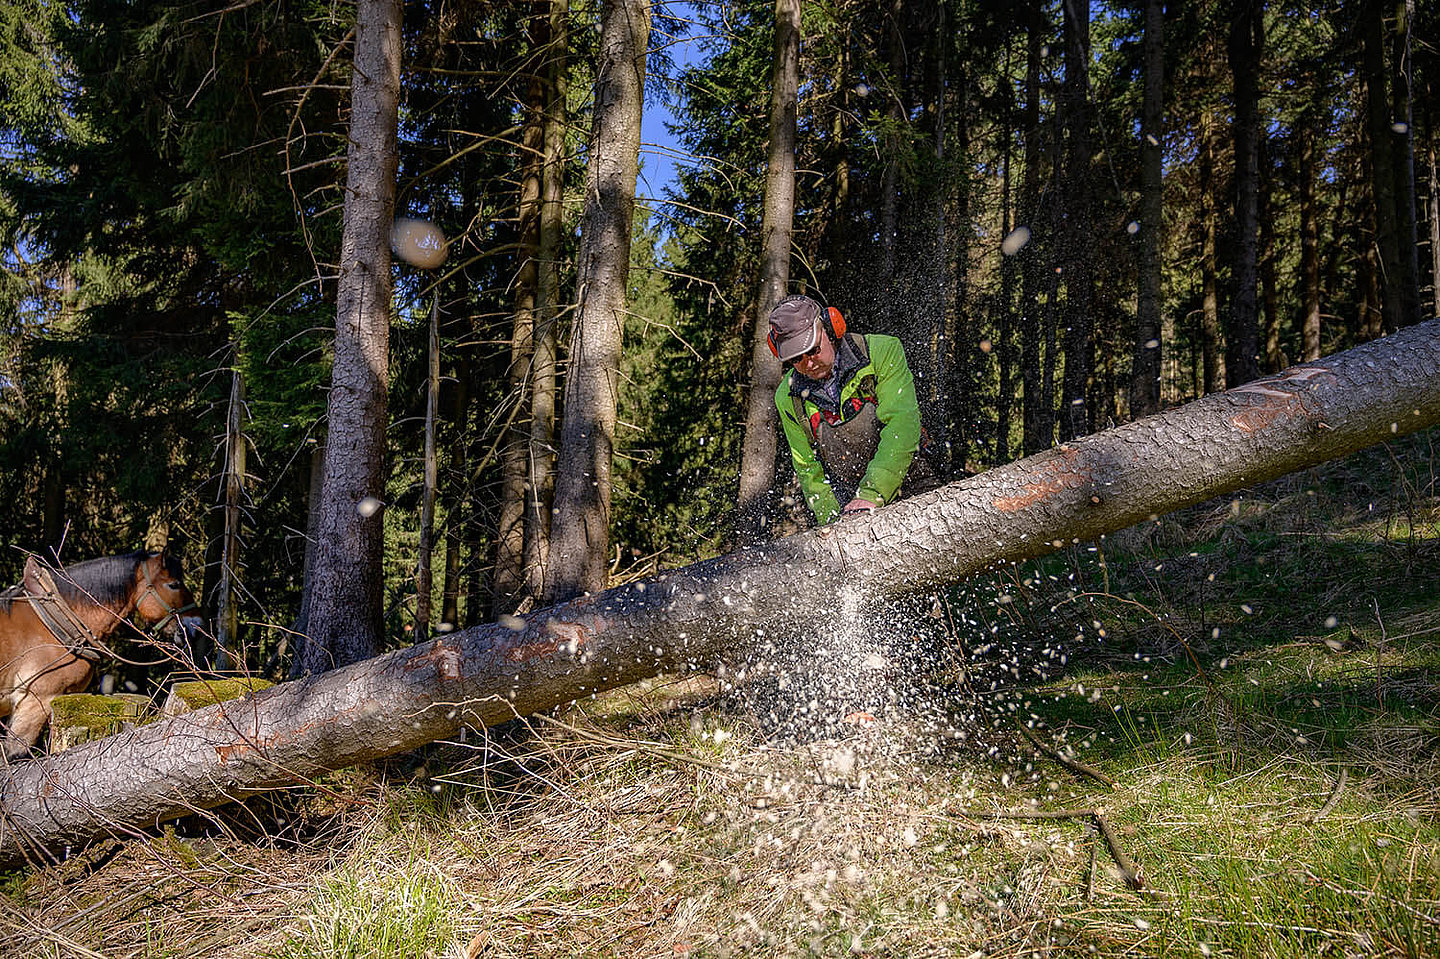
(1073, 765)
(1324, 810)
(1128, 870)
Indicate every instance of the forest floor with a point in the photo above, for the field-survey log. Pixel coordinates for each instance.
(1214, 734)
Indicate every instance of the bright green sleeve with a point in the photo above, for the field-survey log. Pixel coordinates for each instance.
(899, 414)
(819, 496)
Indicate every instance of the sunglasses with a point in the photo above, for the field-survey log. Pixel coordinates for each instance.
(808, 353)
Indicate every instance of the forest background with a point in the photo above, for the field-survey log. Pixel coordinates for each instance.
(1071, 216)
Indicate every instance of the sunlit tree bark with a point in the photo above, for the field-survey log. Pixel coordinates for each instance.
(757, 465)
(579, 543)
(541, 489)
(344, 586)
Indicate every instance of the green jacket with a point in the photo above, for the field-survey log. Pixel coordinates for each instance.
(882, 377)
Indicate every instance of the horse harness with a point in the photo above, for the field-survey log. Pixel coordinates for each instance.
(67, 628)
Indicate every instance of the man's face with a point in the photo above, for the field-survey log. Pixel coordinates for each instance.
(818, 364)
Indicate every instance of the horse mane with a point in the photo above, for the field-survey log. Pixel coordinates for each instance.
(105, 581)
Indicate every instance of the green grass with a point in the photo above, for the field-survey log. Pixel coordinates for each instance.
(375, 907)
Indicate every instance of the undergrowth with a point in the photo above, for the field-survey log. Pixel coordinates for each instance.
(1244, 695)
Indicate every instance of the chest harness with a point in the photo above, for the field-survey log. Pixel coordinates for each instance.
(846, 433)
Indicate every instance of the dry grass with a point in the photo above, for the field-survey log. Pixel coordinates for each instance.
(659, 823)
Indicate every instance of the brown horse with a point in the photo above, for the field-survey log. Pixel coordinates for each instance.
(53, 628)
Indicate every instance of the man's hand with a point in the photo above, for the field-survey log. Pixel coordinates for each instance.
(857, 506)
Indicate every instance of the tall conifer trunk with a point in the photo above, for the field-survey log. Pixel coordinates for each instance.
(757, 465)
(1391, 171)
(1309, 245)
(1039, 429)
(509, 565)
(1077, 410)
(1211, 339)
(580, 541)
(541, 488)
(1242, 331)
(1145, 371)
(344, 586)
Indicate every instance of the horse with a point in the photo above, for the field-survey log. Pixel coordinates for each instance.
(54, 624)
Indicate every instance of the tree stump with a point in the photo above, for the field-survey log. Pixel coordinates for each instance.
(188, 697)
(77, 718)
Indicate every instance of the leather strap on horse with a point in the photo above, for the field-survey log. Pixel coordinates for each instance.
(60, 619)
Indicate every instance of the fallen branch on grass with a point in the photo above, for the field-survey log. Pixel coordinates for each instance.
(1128, 870)
(1074, 765)
(1324, 810)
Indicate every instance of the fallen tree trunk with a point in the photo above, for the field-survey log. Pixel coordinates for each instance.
(691, 617)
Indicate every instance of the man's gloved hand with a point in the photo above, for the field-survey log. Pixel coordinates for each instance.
(857, 506)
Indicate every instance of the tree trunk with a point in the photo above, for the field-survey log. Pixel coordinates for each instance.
(1039, 427)
(234, 504)
(1009, 280)
(757, 465)
(344, 588)
(547, 308)
(1390, 168)
(1211, 340)
(894, 91)
(509, 569)
(1434, 227)
(1242, 363)
(1145, 371)
(1402, 66)
(1309, 243)
(1077, 417)
(579, 545)
(690, 618)
(424, 575)
(1274, 353)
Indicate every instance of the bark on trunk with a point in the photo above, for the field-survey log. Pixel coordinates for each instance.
(689, 618)
(509, 569)
(1434, 229)
(1211, 341)
(1145, 371)
(1390, 162)
(1309, 246)
(580, 543)
(547, 308)
(1039, 424)
(1077, 412)
(344, 588)
(424, 567)
(1242, 364)
(757, 466)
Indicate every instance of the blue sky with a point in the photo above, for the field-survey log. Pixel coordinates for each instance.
(658, 148)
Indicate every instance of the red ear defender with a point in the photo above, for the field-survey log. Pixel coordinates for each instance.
(770, 341)
(836, 323)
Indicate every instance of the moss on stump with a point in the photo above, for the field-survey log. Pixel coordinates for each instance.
(187, 697)
(77, 718)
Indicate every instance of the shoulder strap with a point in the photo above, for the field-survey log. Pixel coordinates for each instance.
(800, 416)
(861, 345)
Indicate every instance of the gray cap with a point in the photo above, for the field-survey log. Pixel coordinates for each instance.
(794, 327)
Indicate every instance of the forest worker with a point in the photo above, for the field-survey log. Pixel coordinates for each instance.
(847, 403)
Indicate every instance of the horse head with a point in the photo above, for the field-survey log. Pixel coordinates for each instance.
(162, 600)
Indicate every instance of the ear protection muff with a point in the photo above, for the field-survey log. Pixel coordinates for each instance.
(770, 341)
